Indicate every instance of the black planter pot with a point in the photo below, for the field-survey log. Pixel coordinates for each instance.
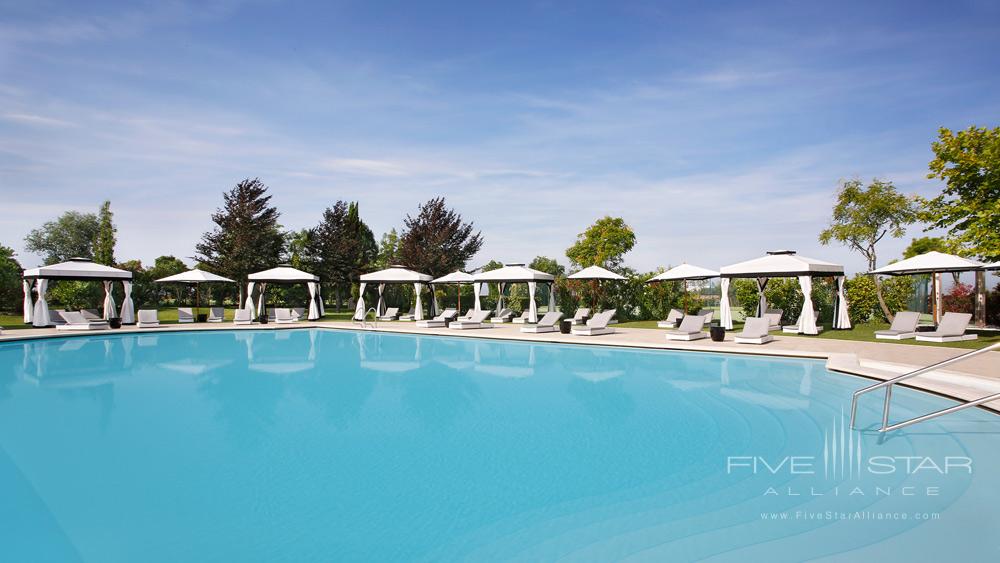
(566, 326)
(115, 322)
(718, 333)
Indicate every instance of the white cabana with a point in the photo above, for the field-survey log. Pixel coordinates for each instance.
(78, 269)
(283, 275)
(686, 272)
(458, 278)
(787, 264)
(392, 274)
(195, 277)
(516, 273)
(933, 263)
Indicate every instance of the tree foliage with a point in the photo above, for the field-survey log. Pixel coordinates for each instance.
(11, 293)
(104, 241)
(547, 265)
(71, 235)
(969, 205)
(605, 243)
(341, 246)
(923, 245)
(246, 237)
(388, 250)
(437, 241)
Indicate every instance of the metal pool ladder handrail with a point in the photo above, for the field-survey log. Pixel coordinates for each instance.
(886, 427)
(364, 319)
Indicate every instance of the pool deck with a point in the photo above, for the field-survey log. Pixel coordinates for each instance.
(968, 380)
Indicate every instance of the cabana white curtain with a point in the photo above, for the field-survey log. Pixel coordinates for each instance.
(359, 310)
(476, 288)
(807, 318)
(500, 289)
(260, 300)
(532, 307)
(726, 311)
(380, 306)
(128, 307)
(28, 305)
(552, 297)
(418, 314)
(41, 312)
(319, 300)
(109, 301)
(249, 302)
(843, 319)
(313, 308)
(762, 304)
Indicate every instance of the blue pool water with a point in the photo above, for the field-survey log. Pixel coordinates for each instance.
(319, 445)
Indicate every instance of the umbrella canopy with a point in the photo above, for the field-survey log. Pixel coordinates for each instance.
(513, 273)
(396, 274)
(929, 262)
(781, 263)
(283, 274)
(685, 272)
(993, 266)
(595, 273)
(77, 269)
(195, 276)
(455, 277)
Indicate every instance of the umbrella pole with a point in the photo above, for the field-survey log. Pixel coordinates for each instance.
(459, 286)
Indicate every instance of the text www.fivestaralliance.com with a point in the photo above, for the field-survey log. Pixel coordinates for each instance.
(857, 515)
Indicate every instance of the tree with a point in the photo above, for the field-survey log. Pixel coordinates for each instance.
(104, 241)
(11, 294)
(923, 245)
(388, 250)
(341, 247)
(864, 215)
(547, 265)
(298, 244)
(437, 241)
(69, 236)
(246, 237)
(605, 243)
(969, 205)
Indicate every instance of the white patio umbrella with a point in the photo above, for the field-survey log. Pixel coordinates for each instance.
(195, 277)
(596, 275)
(457, 278)
(934, 263)
(686, 272)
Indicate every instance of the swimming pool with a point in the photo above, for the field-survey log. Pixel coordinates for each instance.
(318, 445)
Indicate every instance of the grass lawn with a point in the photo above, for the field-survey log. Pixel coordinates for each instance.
(863, 333)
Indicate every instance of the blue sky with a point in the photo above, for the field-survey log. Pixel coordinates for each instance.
(718, 130)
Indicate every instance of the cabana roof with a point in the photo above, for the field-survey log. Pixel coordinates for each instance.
(595, 273)
(77, 269)
(929, 262)
(513, 273)
(195, 276)
(455, 277)
(781, 263)
(283, 274)
(685, 272)
(397, 274)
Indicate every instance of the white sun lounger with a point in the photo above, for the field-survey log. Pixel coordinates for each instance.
(390, 314)
(904, 325)
(478, 320)
(76, 321)
(439, 321)
(299, 313)
(794, 329)
(56, 316)
(185, 315)
(505, 316)
(597, 325)
(754, 332)
(672, 317)
(242, 317)
(951, 329)
(708, 314)
(91, 314)
(579, 315)
(548, 323)
(283, 316)
(773, 317)
(690, 329)
(523, 319)
(216, 314)
(148, 318)
(408, 316)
